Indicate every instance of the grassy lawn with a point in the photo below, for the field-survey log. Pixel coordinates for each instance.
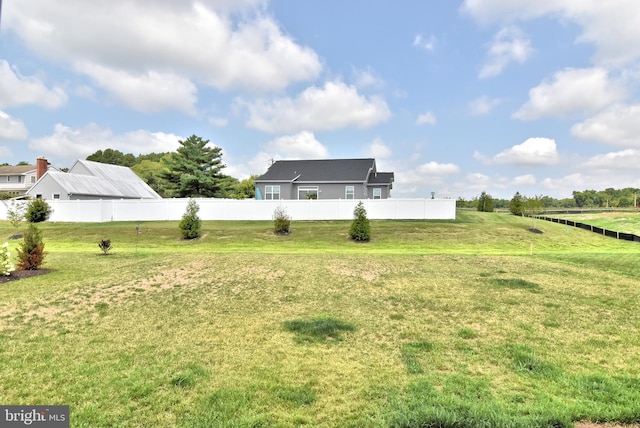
(469, 322)
(627, 221)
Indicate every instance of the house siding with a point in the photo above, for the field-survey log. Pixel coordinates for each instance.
(384, 192)
(325, 190)
(16, 183)
(47, 187)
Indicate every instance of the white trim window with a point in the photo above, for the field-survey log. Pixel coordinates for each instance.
(308, 192)
(377, 193)
(349, 192)
(56, 196)
(272, 192)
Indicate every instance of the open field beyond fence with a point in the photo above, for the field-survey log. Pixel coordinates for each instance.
(468, 322)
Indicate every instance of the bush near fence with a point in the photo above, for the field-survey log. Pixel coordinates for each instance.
(595, 229)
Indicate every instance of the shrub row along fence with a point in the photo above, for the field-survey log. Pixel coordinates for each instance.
(595, 229)
(98, 211)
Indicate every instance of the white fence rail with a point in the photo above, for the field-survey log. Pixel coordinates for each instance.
(248, 209)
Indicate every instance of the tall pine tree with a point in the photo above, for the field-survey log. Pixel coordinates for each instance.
(194, 170)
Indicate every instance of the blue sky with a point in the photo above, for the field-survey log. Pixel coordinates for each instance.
(455, 97)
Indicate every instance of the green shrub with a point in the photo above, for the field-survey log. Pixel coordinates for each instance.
(38, 210)
(281, 221)
(31, 251)
(190, 224)
(6, 267)
(360, 227)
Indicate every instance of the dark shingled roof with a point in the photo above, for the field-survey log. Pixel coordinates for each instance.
(381, 178)
(321, 170)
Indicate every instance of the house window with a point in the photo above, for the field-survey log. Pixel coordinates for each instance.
(33, 179)
(38, 196)
(272, 192)
(308, 193)
(56, 196)
(349, 192)
(377, 193)
(19, 179)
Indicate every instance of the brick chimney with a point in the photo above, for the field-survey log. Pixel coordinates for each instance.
(41, 167)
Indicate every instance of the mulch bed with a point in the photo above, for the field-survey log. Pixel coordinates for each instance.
(21, 274)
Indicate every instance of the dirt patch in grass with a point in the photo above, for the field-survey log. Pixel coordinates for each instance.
(22, 274)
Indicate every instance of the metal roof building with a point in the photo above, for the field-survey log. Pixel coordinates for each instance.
(87, 180)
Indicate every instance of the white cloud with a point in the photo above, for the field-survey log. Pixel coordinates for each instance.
(12, 129)
(377, 149)
(218, 122)
(601, 179)
(366, 78)
(150, 91)
(67, 144)
(426, 43)
(483, 105)
(17, 90)
(435, 169)
(299, 146)
(611, 26)
(628, 159)
(334, 106)
(619, 126)
(212, 42)
(427, 117)
(524, 180)
(420, 180)
(534, 151)
(5, 152)
(509, 45)
(570, 91)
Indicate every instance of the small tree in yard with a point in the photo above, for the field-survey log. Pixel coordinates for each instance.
(360, 227)
(281, 222)
(516, 205)
(190, 223)
(31, 251)
(38, 210)
(533, 207)
(485, 203)
(16, 211)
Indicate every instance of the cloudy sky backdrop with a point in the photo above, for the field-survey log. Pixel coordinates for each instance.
(456, 97)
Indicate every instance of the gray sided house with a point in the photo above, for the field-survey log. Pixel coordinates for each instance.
(324, 179)
(16, 180)
(87, 180)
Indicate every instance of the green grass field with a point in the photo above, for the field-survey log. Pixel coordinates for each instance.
(628, 221)
(462, 323)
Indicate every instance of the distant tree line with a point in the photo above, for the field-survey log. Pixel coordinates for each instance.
(195, 170)
(628, 197)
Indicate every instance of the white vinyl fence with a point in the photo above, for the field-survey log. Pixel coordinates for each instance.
(247, 209)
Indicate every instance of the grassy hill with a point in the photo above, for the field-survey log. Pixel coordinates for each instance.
(469, 322)
(627, 221)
